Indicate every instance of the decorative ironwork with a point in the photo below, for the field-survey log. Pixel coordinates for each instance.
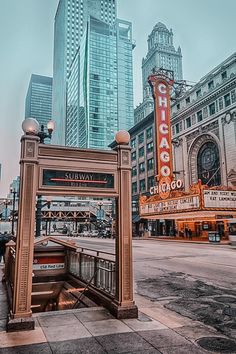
(208, 164)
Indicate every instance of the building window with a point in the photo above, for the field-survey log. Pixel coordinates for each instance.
(210, 85)
(134, 171)
(198, 93)
(134, 187)
(133, 143)
(141, 138)
(187, 100)
(212, 108)
(208, 164)
(150, 181)
(177, 130)
(149, 133)
(227, 100)
(188, 122)
(141, 167)
(150, 147)
(133, 156)
(142, 185)
(141, 152)
(224, 75)
(199, 116)
(150, 164)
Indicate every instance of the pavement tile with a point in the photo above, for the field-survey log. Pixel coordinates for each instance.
(13, 339)
(196, 332)
(163, 338)
(188, 349)
(124, 343)
(89, 316)
(147, 351)
(137, 325)
(84, 346)
(167, 317)
(57, 320)
(28, 349)
(59, 333)
(105, 327)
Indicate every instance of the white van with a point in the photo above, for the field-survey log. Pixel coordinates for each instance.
(232, 231)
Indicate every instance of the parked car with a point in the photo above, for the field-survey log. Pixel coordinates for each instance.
(94, 233)
(85, 233)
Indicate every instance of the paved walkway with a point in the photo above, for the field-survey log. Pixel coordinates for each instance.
(94, 330)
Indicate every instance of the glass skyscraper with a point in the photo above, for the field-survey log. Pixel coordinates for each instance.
(100, 85)
(38, 103)
(70, 24)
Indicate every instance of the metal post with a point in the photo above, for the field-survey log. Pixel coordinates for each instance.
(6, 203)
(13, 213)
(38, 216)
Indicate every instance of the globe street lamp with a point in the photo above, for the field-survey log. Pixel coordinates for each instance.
(31, 126)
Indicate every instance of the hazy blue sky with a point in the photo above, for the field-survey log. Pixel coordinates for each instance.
(205, 30)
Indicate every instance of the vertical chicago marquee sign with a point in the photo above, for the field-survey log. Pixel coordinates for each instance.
(161, 86)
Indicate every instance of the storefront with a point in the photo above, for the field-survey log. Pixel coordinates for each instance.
(191, 214)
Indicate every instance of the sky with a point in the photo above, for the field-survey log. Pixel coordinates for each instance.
(204, 29)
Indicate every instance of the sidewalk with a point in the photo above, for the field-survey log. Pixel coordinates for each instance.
(184, 240)
(94, 330)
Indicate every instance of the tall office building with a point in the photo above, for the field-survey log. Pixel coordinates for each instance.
(70, 24)
(38, 103)
(100, 85)
(161, 54)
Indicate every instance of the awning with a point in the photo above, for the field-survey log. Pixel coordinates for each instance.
(135, 218)
(216, 214)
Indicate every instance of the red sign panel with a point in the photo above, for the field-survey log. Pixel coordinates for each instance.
(161, 93)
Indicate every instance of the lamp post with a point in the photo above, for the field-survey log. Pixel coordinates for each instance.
(100, 204)
(14, 192)
(43, 135)
(6, 202)
(31, 126)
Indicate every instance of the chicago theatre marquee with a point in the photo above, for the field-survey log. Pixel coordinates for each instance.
(195, 183)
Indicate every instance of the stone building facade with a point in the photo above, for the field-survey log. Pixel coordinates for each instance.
(203, 123)
(161, 54)
(204, 129)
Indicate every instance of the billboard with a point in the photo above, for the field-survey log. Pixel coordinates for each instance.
(187, 203)
(216, 199)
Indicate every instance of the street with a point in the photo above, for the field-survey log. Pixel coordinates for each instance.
(195, 280)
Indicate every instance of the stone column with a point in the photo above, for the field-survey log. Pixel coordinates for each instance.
(123, 306)
(21, 307)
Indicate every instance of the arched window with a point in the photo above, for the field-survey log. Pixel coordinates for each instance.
(208, 164)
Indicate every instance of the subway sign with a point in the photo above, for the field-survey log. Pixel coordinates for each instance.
(80, 179)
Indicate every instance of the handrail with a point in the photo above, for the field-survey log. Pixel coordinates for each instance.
(97, 251)
(94, 270)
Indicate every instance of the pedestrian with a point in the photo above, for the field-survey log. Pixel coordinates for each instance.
(190, 234)
(175, 232)
(186, 232)
(2, 249)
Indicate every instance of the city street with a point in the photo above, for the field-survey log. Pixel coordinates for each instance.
(195, 280)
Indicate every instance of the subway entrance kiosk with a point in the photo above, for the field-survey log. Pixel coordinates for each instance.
(47, 170)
